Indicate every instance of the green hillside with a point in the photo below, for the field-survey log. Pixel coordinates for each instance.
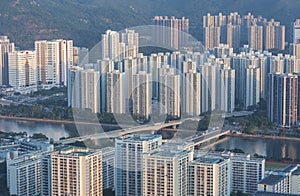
(84, 20)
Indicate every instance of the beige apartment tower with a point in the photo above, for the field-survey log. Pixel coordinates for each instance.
(76, 171)
(209, 176)
(166, 172)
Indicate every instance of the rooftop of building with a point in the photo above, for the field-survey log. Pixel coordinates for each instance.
(75, 151)
(290, 168)
(242, 156)
(140, 137)
(272, 179)
(169, 154)
(178, 145)
(297, 172)
(208, 160)
(108, 149)
(297, 22)
(261, 193)
(25, 159)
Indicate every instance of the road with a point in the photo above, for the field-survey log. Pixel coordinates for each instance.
(121, 132)
(197, 140)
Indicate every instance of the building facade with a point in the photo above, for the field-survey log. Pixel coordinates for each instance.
(76, 171)
(22, 72)
(209, 176)
(5, 47)
(129, 162)
(166, 172)
(283, 99)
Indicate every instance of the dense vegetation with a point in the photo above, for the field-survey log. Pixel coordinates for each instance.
(11, 134)
(210, 120)
(43, 110)
(39, 136)
(49, 104)
(257, 120)
(52, 104)
(85, 20)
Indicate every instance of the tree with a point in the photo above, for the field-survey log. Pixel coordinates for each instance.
(204, 123)
(39, 136)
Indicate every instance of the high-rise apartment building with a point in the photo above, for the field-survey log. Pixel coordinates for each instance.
(227, 89)
(191, 96)
(131, 40)
(129, 152)
(240, 64)
(111, 47)
(235, 31)
(22, 69)
(284, 64)
(105, 68)
(54, 58)
(221, 29)
(234, 35)
(274, 35)
(255, 37)
(209, 176)
(90, 89)
(115, 92)
(142, 63)
(84, 89)
(264, 64)
(296, 32)
(108, 168)
(212, 36)
(217, 20)
(252, 90)
(283, 99)
(65, 59)
(80, 56)
(245, 173)
(170, 32)
(23, 175)
(209, 83)
(277, 64)
(74, 86)
(119, 45)
(247, 21)
(46, 176)
(295, 51)
(130, 67)
(298, 103)
(141, 96)
(47, 60)
(5, 47)
(165, 172)
(176, 59)
(76, 171)
(169, 95)
(223, 50)
(155, 63)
